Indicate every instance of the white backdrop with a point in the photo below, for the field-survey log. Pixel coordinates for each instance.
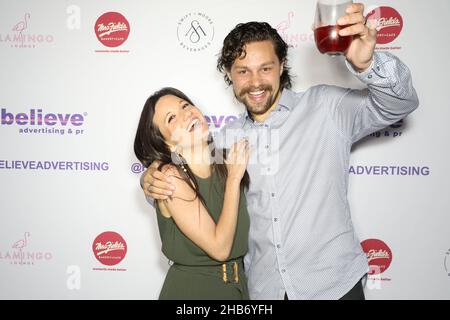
(60, 189)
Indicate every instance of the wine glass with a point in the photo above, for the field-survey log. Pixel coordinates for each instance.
(326, 29)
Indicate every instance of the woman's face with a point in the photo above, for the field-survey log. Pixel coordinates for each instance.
(180, 123)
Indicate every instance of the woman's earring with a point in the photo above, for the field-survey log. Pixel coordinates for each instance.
(178, 160)
(182, 164)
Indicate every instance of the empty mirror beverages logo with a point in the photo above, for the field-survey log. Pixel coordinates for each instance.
(379, 255)
(389, 24)
(23, 36)
(37, 121)
(109, 248)
(112, 30)
(20, 253)
(195, 31)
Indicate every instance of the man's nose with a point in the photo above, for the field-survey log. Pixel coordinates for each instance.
(255, 80)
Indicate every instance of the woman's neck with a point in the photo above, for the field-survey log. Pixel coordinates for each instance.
(198, 157)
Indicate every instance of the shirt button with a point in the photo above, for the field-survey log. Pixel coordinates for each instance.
(370, 76)
(267, 147)
(273, 195)
(275, 219)
(283, 270)
(278, 246)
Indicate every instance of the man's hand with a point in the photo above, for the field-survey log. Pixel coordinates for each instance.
(156, 184)
(360, 52)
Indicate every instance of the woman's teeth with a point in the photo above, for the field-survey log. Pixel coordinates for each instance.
(194, 124)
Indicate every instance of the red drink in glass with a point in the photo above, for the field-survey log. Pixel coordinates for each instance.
(326, 30)
(329, 41)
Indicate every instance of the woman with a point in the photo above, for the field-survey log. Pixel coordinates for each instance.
(204, 224)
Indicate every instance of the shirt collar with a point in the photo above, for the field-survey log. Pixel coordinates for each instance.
(286, 101)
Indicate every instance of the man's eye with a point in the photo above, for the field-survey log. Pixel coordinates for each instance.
(242, 72)
(266, 69)
(171, 118)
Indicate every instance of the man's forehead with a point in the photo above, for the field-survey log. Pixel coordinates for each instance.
(261, 50)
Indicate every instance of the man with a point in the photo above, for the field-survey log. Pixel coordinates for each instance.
(302, 244)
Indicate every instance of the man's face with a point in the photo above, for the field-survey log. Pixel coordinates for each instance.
(256, 77)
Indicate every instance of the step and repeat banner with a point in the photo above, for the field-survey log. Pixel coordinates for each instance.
(74, 75)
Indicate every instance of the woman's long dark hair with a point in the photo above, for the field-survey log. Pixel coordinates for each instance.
(150, 146)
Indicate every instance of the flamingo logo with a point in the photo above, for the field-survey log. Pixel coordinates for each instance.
(285, 24)
(291, 38)
(21, 26)
(22, 38)
(21, 255)
(20, 244)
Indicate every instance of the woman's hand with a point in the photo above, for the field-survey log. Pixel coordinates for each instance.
(237, 159)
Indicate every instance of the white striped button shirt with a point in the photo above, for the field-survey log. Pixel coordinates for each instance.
(301, 239)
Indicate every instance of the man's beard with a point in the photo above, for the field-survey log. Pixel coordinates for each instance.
(260, 108)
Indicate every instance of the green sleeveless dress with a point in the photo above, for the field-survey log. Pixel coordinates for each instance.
(194, 275)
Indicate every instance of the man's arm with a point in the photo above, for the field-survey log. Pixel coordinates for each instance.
(389, 97)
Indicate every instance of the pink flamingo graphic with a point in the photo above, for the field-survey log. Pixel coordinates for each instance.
(22, 243)
(21, 26)
(283, 25)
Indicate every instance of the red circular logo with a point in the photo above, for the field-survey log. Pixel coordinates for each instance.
(109, 248)
(389, 24)
(379, 255)
(112, 29)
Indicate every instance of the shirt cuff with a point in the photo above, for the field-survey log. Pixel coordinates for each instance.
(372, 74)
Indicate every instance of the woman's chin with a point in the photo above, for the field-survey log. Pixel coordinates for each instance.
(195, 139)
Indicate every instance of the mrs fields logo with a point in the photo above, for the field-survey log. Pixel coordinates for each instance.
(112, 30)
(109, 249)
(22, 35)
(379, 257)
(195, 31)
(22, 253)
(389, 26)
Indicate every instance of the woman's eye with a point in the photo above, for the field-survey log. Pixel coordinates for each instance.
(171, 118)
(185, 105)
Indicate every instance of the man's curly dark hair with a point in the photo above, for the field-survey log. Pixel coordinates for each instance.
(244, 33)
